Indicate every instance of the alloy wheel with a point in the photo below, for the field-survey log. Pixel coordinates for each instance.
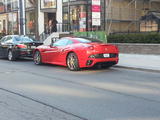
(37, 58)
(72, 62)
(11, 56)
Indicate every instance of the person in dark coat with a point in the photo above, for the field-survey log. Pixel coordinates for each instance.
(54, 25)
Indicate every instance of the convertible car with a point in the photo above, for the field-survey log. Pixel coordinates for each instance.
(76, 53)
(15, 46)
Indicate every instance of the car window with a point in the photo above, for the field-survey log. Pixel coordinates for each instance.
(22, 39)
(7, 40)
(61, 42)
(70, 42)
(3, 39)
(87, 40)
(82, 40)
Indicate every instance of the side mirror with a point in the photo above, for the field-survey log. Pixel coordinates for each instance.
(53, 40)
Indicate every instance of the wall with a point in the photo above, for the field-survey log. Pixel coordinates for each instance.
(139, 48)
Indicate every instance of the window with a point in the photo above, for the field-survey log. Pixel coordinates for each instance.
(2, 6)
(30, 3)
(8, 40)
(48, 4)
(61, 42)
(70, 42)
(3, 39)
(20, 39)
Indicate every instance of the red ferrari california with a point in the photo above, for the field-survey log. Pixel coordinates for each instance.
(76, 53)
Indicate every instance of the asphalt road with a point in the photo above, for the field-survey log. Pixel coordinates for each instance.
(106, 94)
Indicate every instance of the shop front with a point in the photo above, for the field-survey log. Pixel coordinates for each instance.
(30, 17)
(49, 9)
(13, 23)
(12, 13)
(77, 14)
(3, 18)
(3, 23)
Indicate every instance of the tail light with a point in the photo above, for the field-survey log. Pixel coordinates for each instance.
(21, 46)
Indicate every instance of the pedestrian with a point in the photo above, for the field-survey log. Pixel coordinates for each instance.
(50, 27)
(55, 25)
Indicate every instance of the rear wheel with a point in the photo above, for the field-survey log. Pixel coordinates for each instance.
(11, 56)
(72, 62)
(37, 58)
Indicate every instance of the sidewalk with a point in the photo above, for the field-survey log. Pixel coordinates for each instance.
(137, 61)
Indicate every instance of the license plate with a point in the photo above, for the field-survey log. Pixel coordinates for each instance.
(106, 55)
(33, 47)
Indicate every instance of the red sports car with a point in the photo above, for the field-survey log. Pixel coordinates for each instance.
(76, 53)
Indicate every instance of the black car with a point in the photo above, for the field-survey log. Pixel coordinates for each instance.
(15, 46)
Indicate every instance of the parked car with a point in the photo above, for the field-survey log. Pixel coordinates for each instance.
(76, 53)
(15, 46)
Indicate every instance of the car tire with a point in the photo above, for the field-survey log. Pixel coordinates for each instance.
(72, 62)
(37, 58)
(11, 56)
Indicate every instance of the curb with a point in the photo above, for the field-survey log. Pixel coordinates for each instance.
(136, 68)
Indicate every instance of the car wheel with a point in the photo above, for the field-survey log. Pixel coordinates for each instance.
(11, 56)
(72, 62)
(37, 58)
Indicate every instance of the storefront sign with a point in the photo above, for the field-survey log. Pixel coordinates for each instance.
(96, 9)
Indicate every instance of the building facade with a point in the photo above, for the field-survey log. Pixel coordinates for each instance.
(9, 16)
(126, 15)
(37, 13)
(114, 16)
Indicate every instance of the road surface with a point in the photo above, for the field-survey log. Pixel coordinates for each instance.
(106, 94)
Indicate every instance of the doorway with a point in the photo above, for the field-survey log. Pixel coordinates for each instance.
(49, 16)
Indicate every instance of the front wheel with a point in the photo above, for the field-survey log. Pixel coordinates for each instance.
(11, 56)
(37, 58)
(72, 62)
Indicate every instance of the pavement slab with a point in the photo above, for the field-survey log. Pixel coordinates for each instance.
(148, 62)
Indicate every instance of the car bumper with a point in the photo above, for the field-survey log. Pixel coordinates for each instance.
(23, 53)
(90, 62)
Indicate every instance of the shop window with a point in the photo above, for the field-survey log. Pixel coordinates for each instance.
(14, 4)
(12, 23)
(2, 6)
(30, 22)
(8, 5)
(78, 18)
(65, 0)
(48, 4)
(30, 3)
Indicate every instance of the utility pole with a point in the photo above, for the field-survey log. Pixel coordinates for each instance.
(105, 20)
(69, 27)
(36, 20)
(22, 17)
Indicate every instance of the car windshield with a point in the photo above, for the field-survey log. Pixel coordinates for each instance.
(22, 39)
(87, 40)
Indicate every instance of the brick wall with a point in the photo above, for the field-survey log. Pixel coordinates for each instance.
(139, 48)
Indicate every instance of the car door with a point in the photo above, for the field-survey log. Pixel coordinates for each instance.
(53, 52)
(2, 46)
(6, 44)
(64, 51)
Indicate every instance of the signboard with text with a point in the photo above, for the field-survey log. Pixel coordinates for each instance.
(96, 12)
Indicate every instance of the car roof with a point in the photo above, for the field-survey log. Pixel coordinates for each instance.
(15, 36)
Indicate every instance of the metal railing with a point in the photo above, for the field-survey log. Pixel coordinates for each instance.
(61, 27)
